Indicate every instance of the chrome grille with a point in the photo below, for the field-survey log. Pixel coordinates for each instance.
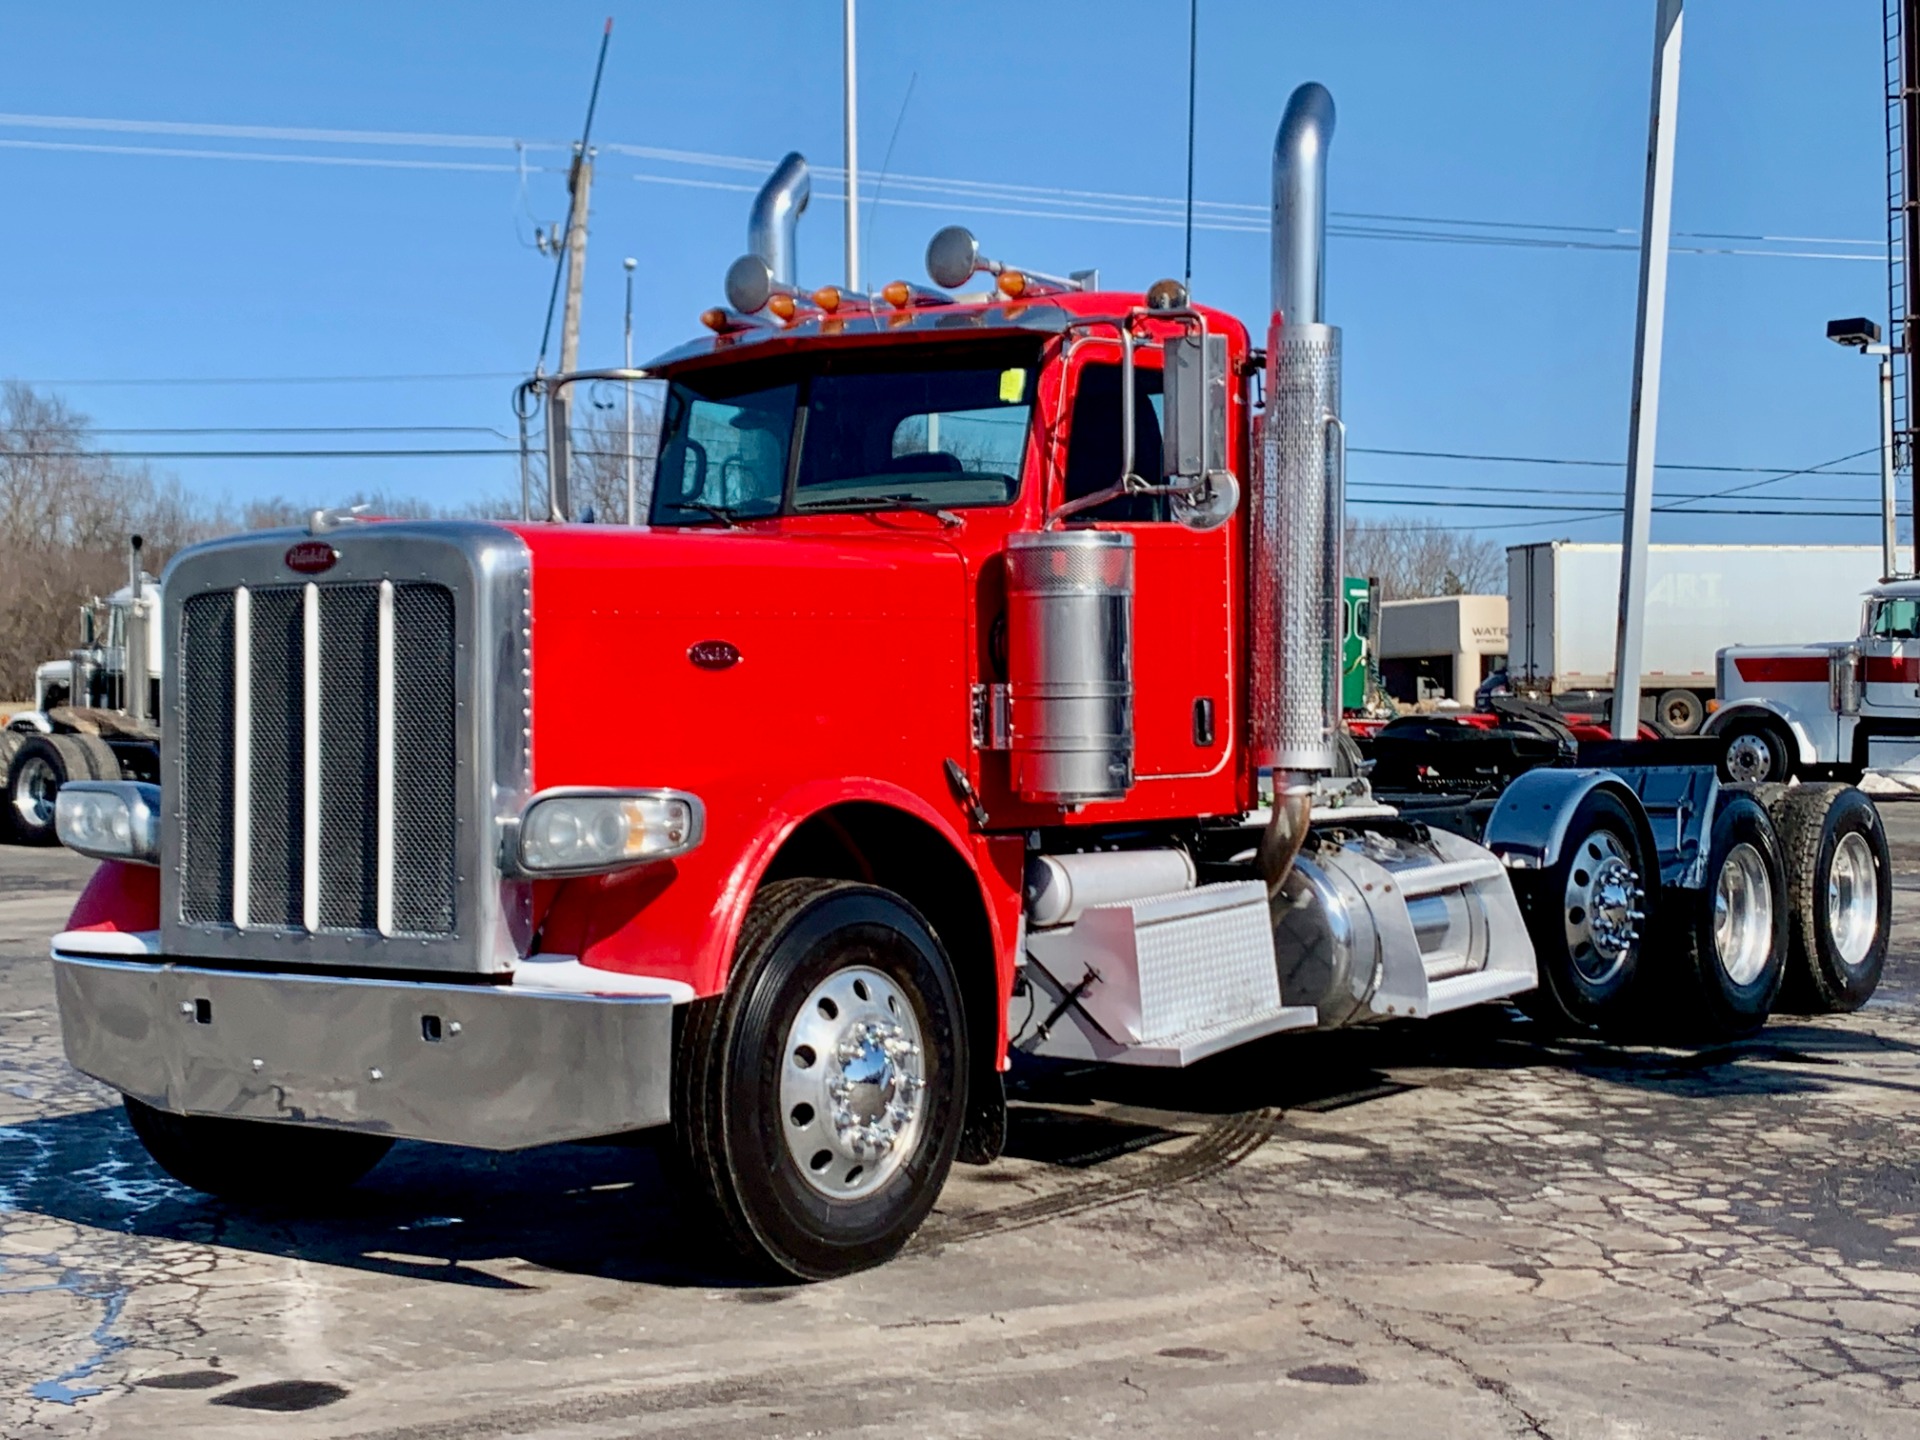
(317, 759)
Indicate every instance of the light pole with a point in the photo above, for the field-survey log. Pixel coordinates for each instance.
(631, 520)
(1863, 335)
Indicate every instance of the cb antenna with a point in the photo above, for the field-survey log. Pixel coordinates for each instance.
(573, 180)
(1193, 52)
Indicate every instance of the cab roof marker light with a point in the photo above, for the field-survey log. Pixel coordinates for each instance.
(905, 295)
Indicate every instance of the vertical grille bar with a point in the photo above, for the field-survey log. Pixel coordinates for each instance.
(242, 754)
(383, 782)
(310, 759)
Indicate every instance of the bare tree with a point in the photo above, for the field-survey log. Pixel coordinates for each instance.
(1416, 558)
(66, 512)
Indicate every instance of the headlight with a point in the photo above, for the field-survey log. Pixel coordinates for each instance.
(109, 819)
(578, 832)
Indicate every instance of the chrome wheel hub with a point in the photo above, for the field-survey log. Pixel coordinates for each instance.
(1602, 907)
(1853, 899)
(852, 1083)
(34, 793)
(1749, 761)
(1743, 915)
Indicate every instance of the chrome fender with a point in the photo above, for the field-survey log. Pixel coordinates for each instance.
(1785, 714)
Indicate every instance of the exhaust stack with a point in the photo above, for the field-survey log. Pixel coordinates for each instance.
(1298, 506)
(776, 216)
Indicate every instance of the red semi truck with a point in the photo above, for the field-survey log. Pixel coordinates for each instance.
(972, 691)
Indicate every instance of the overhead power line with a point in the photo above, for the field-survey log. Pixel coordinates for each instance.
(946, 193)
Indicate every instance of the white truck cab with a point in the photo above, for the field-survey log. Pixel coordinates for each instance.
(1839, 708)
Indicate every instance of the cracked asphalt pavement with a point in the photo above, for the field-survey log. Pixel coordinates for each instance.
(1463, 1228)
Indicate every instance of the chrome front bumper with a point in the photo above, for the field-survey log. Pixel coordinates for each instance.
(481, 1065)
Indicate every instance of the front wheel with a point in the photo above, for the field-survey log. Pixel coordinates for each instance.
(1756, 754)
(254, 1162)
(821, 1099)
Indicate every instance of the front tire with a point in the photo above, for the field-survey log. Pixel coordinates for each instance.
(820, 1101)
(1584, 914)
(1840, 882)
(1730, 955)
(254, 1162)
(1757, 754)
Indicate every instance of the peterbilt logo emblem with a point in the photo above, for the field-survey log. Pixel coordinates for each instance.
(714, 655)
(310, 557)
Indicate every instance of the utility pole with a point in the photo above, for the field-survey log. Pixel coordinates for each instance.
(632, 513)
(1902, 30)
(579, 183)
(1649, 332)
(852, 85)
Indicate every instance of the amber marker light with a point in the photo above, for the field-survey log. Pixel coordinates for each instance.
(714, 319)
(897, 293)
(782, 305)
(1012, 284)
(827, 297)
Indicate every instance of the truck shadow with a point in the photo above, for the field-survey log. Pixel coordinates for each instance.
(508, 1222)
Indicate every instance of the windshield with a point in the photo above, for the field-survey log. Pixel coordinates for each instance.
(1897, 619)
(945, 430)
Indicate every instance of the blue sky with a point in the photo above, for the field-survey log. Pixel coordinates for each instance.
(125, 263)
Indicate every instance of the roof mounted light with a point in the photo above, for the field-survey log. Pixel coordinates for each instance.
(1167, 295)
(834, 301)
(904, 294)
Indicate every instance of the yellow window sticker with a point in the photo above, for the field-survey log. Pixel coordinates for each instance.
(1013, 385)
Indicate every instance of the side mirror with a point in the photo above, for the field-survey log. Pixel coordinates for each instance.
(1194, 447)
(953, 256)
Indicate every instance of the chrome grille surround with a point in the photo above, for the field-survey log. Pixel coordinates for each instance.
(346, 742)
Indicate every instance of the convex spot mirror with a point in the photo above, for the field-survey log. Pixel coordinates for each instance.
(953, 256)
(749, 284)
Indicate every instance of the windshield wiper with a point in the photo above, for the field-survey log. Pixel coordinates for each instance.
(882, 502)
(716, 512)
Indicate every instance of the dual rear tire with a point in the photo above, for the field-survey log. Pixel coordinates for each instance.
(1795, 911)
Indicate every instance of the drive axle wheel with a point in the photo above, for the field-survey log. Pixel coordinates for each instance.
(41, 764)
(1731, 935)
(254, 1162)
(820, 1101)
(1584, 913)
(1839, 880)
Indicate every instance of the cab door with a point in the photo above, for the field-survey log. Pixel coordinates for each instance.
(1183, 689)
(1890, 659)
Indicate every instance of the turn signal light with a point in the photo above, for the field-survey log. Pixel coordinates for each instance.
(897, 293)
(1012, 284)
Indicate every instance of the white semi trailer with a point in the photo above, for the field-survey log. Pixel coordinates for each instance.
(1563, 600)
